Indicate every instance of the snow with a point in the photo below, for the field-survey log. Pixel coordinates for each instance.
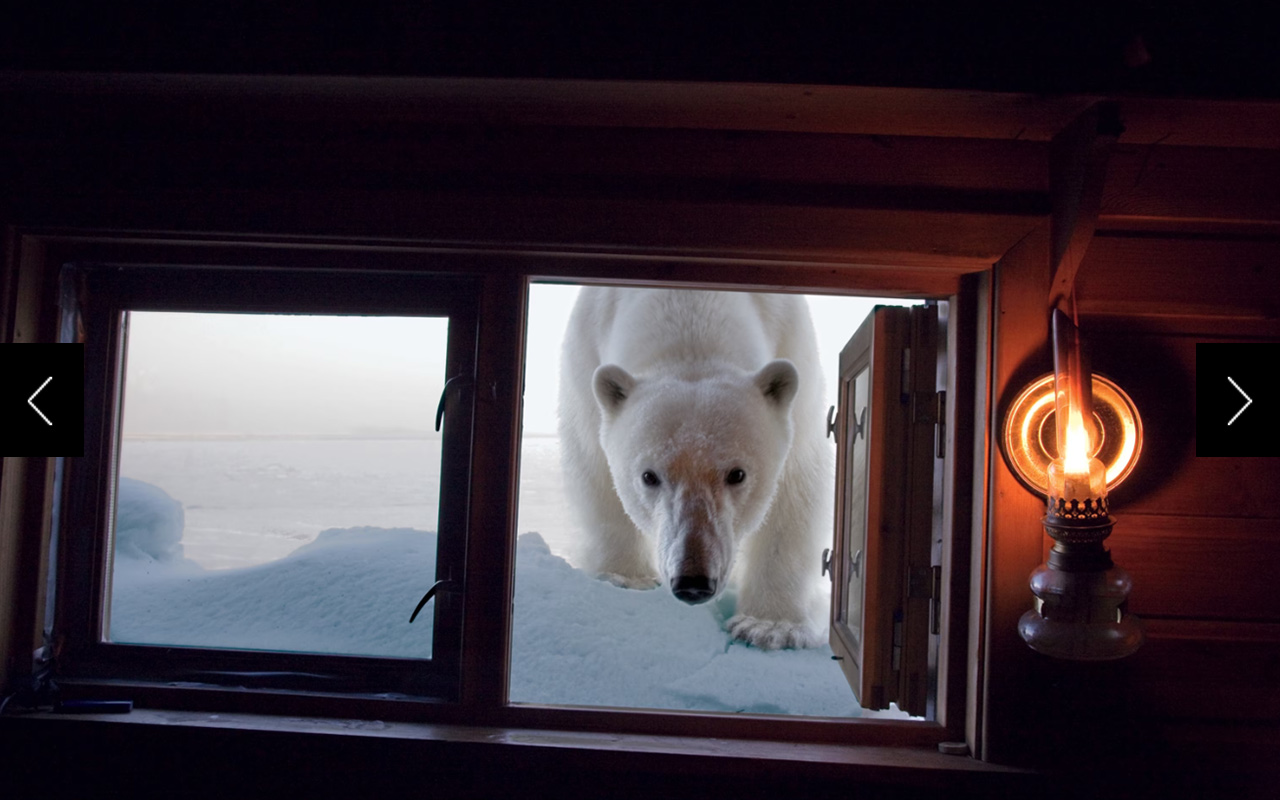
(348, 592)
(149, 523)
(577, 640)
(582, 641)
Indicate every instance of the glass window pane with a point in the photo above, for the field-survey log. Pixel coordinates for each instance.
(278, 482)
(583, 641)
(856, 496)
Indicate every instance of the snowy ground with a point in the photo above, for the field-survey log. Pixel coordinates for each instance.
(577, 640)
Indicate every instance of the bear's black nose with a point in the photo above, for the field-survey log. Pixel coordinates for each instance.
(693, 589)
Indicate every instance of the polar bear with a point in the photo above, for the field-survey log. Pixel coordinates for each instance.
(694, 452)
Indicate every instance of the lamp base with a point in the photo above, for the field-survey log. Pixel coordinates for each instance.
(1080, 614)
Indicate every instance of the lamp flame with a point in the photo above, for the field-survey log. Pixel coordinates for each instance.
(1076, 458)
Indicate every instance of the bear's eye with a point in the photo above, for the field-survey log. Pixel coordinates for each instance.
(735, 476)
(650, 478)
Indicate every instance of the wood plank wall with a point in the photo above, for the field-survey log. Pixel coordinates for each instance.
(1198, 534)
(1190, 253)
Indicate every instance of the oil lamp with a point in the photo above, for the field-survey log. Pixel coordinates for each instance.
(1080, 594)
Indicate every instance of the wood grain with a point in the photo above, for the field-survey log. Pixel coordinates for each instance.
(1204, 568)
(1151, 276)
(1191, 183)
(1015, 543)
(1221, 672)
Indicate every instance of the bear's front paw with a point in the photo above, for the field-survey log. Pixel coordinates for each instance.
(772, 634)
(629, 581)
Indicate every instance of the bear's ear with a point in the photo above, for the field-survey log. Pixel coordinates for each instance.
(778, 382)
(613, 385)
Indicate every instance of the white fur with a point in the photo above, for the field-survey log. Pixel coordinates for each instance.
(690, 386)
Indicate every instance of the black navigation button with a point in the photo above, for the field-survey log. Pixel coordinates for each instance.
(1248, 401)
(1237, 399)
(42, 400)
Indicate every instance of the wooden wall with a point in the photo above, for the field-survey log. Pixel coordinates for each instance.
(1198, 534)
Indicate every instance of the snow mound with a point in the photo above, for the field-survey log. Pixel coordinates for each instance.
(349, 592)
(149, 523)
(576, 640)
(582, 641)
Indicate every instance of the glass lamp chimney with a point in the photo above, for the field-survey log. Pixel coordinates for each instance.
(1077, 482)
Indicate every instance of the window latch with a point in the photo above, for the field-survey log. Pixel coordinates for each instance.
(828, 569)
(444, 584)
(859, 426)
(456, 381)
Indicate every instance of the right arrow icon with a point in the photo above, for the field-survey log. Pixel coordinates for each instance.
(1247, 401)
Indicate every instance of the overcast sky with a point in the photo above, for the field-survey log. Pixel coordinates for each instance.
(255, 374)
(261, 374)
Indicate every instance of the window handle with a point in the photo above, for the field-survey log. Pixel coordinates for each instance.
(828, 569)
(455, 381)
(859, 427)
(435, 587)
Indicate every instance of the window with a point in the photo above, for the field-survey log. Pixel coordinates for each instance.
(886, 563)
(277, 482)
(581, 641)
(264, 490)
(468, 664)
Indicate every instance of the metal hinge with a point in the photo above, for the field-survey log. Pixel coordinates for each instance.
(930, 408)
(940, 418)
(926, 582)
(935, 604)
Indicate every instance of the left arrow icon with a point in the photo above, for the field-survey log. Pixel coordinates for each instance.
(32, 398)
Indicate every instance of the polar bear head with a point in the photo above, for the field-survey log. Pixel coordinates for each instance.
(696, 461)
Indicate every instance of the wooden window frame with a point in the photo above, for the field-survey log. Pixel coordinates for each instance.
(100, 295)
(502, 275)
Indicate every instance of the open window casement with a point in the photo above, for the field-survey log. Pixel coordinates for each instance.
(883, 568)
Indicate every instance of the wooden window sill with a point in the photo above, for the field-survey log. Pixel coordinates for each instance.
(510, 750)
